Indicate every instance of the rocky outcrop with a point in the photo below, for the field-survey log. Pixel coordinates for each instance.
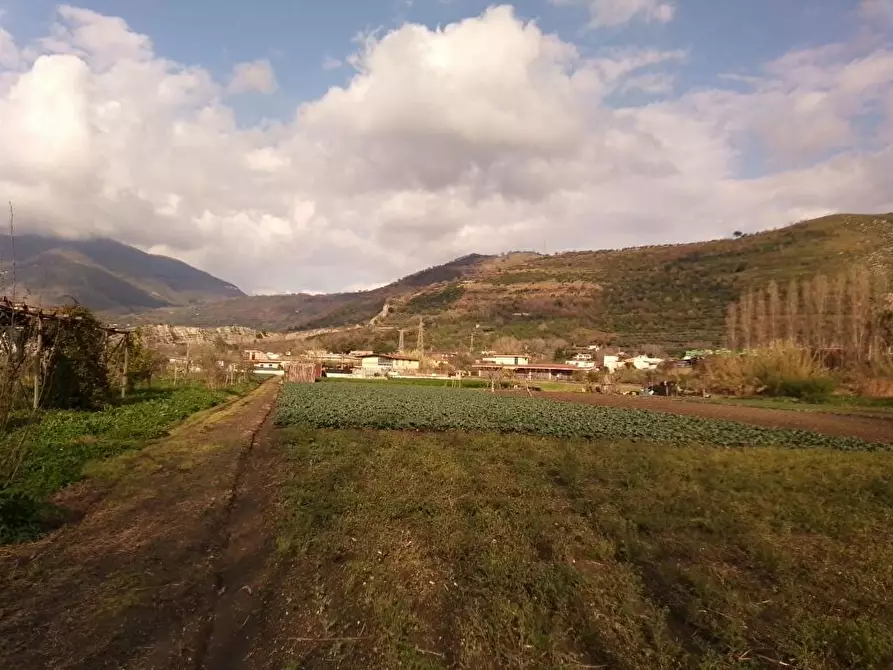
(172, 335)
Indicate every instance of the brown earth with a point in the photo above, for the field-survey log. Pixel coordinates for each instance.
(166, 566)
(869, 429)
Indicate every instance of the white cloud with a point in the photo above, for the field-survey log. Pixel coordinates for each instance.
(482, 136)
(9, 53)
(255, 76)
(615, 13)
(330, 63)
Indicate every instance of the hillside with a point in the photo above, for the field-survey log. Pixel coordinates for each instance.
(104, 275)
(670, 295)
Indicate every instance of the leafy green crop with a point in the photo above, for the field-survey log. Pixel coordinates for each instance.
(364, 405)
(64, 440)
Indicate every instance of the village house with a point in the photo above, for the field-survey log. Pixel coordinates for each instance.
(372, 364)
(506, 359)
(582, 362)
(643, 362)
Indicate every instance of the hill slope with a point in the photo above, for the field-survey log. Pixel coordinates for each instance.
(672, 295)
(104, 275)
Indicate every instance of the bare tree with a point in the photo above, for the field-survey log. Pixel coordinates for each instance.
(792, 311)
(732, 325)
(773, 307)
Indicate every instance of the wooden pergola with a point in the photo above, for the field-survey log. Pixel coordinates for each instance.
(10, 312)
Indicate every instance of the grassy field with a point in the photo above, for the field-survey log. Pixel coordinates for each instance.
(646, 546)
(855, 405)
(46, 456)
(430, 550)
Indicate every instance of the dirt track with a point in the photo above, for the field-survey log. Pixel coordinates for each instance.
(865, 428)
(163, 570)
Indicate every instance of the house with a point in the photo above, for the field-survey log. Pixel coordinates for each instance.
(582, 362)
(611, 362)
(538, 371)
(506, 359)
(643, 362)
(268, 368)
(372, 364)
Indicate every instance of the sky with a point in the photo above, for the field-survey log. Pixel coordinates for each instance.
(298, 145)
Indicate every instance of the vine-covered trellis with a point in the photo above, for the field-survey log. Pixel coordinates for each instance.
(63, 351)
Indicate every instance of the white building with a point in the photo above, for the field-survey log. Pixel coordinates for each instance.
(611, 362)
(582, 361)
(506, 359)
(372, 364)
(643, 362)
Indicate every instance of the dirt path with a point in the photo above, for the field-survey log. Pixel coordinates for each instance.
(866, 428)
(165, 568)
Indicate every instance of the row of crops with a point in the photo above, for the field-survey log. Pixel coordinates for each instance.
(363, 405)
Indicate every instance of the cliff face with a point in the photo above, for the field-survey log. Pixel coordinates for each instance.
(173, 335)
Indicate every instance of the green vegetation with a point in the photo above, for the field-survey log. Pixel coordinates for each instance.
(58, 447)
(436, 300)
(440, 550)
(364, 405)
(671, 295)
(834, 404)
(469, 383)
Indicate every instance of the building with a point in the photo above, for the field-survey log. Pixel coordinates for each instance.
(611, 362)
(373, 364)
(643, 362)
(537, 371)
(582, 362)
(506, 359)
(268, 368)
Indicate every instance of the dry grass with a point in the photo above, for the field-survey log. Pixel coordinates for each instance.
(495, 551)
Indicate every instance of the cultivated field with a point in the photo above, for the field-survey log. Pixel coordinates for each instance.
(389, 526)
(647, 545)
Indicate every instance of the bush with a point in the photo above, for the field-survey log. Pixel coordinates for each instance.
(781, 369)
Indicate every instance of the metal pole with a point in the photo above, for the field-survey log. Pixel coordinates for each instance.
(124, 369)
(37, 366)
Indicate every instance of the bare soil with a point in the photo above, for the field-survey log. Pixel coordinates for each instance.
(165, 566)
(866, 428)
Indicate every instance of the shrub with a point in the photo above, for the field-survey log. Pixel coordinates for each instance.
(781, 369)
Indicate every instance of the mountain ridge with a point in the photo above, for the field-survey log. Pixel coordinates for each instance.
(103, 274)
(673, 294)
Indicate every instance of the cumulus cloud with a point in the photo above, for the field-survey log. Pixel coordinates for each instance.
(255, 76)
(614, 13)
(484, 135)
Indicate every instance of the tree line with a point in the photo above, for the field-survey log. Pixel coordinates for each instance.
(847, 317)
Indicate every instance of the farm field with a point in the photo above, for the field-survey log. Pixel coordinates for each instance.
(360, 405)
(484, 550)
(415, 527)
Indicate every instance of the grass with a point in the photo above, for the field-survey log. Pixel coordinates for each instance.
(852, 405)
(64, 441)
(429, 550)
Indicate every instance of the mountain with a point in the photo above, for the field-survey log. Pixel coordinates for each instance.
(103, 274)
(669, 295)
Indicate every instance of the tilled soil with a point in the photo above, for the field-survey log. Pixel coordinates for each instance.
(164, 568)
(865, 428)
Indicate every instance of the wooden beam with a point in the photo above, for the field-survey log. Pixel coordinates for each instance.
(124, 368)
(37, 367)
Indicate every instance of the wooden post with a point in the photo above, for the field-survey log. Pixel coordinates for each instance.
(37, 367)
(126, 344)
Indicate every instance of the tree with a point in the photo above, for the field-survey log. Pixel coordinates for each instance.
(143, 363)
(75, 361)
(732, 325)
(773, 310)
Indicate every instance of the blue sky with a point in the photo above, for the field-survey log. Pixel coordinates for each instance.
(215, 131)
